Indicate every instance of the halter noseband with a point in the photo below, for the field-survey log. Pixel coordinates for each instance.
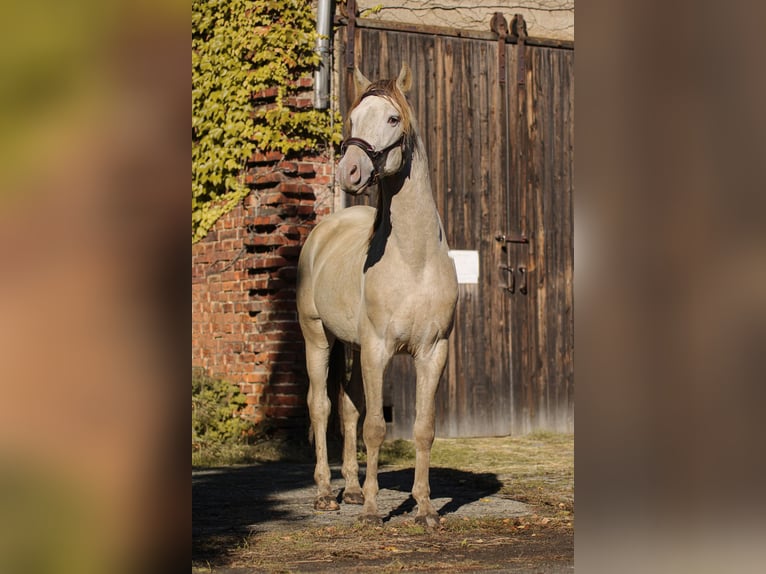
(377, 157)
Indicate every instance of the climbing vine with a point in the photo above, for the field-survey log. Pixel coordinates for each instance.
(241, 48)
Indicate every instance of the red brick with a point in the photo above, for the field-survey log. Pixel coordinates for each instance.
(289, 250)
(273, 219)
(255, 306)
(294, 231)
(266, 157)
(278, 316)
(306, 169)
(305, 209)
(296, 188)
(295, 389)
(264, 178)
(277, 198)
(288, 167)
(269, 284)
(305, 82)
(256, 378)
(288, 400)
(284, 411)
(267, 239)
(264, 264)
(266, 94)
(246, 388)
(232, 276)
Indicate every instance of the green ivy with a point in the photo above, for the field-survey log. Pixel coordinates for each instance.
(216, 405)
(239, 48)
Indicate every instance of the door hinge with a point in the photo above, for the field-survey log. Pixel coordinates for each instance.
(519, 30)
(499, 26)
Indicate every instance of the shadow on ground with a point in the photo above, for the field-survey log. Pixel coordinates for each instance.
(228, 504)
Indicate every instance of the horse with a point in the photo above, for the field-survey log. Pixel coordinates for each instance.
(381, 281)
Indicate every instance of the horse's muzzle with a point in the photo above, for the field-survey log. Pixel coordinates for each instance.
(355, 170)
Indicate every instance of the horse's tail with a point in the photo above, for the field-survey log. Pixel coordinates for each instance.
(336, 379)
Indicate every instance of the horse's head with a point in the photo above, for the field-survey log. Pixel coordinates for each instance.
(380, 132)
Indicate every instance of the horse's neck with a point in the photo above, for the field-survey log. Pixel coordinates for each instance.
(415, 227)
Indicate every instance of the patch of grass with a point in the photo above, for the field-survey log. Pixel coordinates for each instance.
(398, 452)
(221, 437)
(263, 449)
(218, 430)
(411, 529)
(537, 468)
(541, 453)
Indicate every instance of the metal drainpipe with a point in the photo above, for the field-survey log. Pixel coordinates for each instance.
(322, 74)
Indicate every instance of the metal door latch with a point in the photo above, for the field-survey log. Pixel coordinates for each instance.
(512, 238)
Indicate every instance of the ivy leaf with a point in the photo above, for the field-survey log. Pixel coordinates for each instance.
(240, 47)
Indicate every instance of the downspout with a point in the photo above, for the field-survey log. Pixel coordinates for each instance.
(322, 73)
(325, 9)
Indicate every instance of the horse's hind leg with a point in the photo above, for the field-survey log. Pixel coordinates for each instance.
(351, 405)
(317, 363)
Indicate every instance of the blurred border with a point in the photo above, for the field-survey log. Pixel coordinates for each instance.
(94, 248)
(670, 286)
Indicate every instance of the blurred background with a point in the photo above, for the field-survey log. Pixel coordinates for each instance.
(670, 286)
(94, 108)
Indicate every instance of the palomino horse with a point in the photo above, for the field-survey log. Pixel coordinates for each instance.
(381, 281)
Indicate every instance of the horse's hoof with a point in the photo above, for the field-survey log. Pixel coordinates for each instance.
(371, 519)
(428, 520)
(353, 497)
(326, 503)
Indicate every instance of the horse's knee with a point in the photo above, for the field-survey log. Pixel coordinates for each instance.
(423, 433)
(374, 430)
(319, 405)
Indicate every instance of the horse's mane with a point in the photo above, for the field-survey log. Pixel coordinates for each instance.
(389, 90)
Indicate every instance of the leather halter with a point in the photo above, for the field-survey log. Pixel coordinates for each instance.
(377, 157)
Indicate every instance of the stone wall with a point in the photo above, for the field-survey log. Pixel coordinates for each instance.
(244, 321)
(545, 18)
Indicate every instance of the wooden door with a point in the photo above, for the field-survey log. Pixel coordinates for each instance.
(496, 168)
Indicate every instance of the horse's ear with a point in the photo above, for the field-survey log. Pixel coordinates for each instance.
(404, 81)
(360, 82)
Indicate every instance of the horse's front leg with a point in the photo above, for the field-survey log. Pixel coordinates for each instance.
(429, 367)
(375, 359)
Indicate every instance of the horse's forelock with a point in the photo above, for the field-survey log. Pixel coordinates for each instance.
(389, 90)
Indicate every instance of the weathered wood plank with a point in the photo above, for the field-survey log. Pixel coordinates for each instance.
(501, 162)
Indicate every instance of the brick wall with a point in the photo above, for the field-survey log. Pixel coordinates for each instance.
(244, 321)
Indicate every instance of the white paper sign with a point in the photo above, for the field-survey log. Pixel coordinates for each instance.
(466, 265)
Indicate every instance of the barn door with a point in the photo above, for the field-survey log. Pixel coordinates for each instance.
(537, 241)
(486, 184)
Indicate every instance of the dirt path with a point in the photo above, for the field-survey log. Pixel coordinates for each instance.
(259, 518)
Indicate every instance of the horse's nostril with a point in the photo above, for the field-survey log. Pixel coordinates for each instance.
(355, 174)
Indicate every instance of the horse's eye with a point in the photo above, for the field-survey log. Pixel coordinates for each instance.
(394, 120)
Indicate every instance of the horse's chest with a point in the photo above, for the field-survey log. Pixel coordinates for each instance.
(408, 307)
